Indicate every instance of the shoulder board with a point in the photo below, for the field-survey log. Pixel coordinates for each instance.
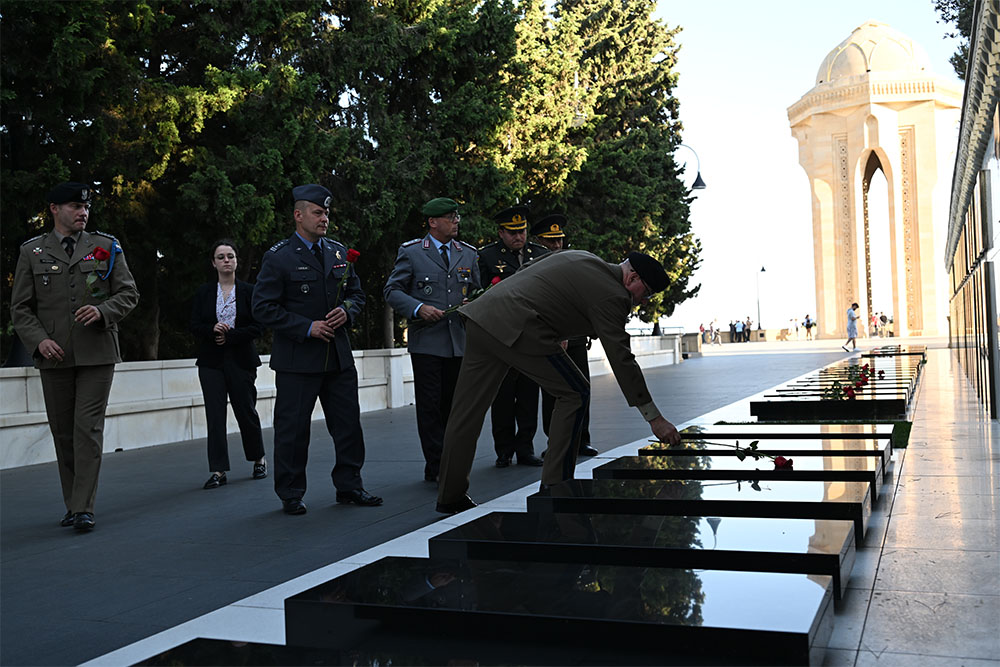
(537, 246)
(33, 238)
(490, 245)
(468, 245)
(410, 242)
(335, 242)
(277, 246)
(105, 235)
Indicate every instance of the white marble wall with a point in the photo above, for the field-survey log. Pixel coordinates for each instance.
(160, 402)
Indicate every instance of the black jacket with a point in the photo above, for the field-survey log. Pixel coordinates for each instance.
(239, 339)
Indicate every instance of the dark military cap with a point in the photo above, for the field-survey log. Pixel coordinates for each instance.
(436, 208)
(513, 219)
(650, 270)
(317, 194)
(550, 227)
(67, 192)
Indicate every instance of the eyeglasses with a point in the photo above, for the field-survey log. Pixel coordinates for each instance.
(454, 216)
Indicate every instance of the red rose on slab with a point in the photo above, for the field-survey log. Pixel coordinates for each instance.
(100, 254)
(781, 463)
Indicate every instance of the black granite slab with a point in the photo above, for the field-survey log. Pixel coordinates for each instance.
(723, 446)
(806, 546)
(749, 616)
(850, 501)
(919, 351)
(793, 431)
(866, 469)
(863, 406)
(382, 648)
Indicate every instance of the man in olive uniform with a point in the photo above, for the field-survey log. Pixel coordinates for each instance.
(550, 233)
(431, 275)
(515, 410)
(299, 295)
(71, 288)
(519, 324)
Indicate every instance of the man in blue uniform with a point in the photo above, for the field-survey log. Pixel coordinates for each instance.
(431, 275)
(299, 295)
(514, 413)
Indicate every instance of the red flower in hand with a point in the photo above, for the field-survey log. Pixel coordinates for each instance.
(495, 280)
(781, 463)
(352, 255)
(100, 254)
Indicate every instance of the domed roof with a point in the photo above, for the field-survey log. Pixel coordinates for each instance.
(873, 47)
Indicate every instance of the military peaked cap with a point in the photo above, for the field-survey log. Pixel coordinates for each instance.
(513, 219)
(550, 227)
(650, 270)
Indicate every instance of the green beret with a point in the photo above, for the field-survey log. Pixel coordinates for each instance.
(436, 208)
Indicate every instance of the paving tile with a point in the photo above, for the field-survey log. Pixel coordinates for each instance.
(839, 657)
(933, 624)
(948, 485)
(849, 619)
(939, 571)
(865, 566)
(868, 658)
(960, 506)
(920, 532)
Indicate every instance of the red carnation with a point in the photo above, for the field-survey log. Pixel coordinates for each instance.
(100, 254)
(352, 255)
(781, 463)
(495, 280)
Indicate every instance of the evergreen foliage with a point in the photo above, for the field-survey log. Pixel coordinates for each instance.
(197, 117)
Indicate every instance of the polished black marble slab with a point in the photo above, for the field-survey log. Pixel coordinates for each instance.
(897, 351)
(793, 431)
(749, 616)
(806, 546)
(850, 501)
(381, 648)
(866, 469)
(863, 406)
(720, 445)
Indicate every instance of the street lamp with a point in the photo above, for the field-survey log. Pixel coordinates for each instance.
(758, 297)
(698, 183)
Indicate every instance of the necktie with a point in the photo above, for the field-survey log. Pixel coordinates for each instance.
(444, 255)
(68, 244)
(318, 253)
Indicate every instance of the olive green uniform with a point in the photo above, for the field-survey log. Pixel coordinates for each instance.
(48, 288)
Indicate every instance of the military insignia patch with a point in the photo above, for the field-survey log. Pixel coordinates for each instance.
(37, 251)
(428, 290)
(304, 289)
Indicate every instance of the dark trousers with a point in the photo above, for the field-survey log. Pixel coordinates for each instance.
(76, 399)
(295, 398)
(238, 384)
(434, 381)
(577, 351)
(514, 415)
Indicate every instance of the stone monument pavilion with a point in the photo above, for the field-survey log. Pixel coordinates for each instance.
(877, 106)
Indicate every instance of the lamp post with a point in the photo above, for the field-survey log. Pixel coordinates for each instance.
(698, 183)
(758, 297)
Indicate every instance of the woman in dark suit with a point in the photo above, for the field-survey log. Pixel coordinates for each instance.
(223, 323)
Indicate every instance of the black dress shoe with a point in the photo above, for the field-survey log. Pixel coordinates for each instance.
(293, 506)
(587, 450)
(83, 521)
(529, 460)
(358, 497)
(67, 520)
(216, 480)
(460, 505)
(503, 461)
(260, 470)
(430, 478)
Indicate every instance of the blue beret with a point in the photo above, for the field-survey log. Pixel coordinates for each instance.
(67, 192)
(317, 194)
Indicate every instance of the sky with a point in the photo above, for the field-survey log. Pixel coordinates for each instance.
(741, 65)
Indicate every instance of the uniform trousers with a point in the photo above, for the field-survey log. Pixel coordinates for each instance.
(76, 399)
(239, 385)
(434, 381)
(514, 415)
(486, 362)
(295, 398)
(577, 351)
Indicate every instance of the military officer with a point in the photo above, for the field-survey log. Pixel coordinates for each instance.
(71, 288)
(308, 292)
(550, 232)
(514, 415)
(431, 275)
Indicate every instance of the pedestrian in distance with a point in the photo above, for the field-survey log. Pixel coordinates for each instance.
(431, 275)
(71, 289)
(308, 292)
(852, 328)
(222, 322)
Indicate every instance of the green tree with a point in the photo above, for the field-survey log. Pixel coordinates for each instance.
(959, 14)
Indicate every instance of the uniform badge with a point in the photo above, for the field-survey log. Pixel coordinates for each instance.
(37, 251)
(428, 290)
(45, 281)
(500, 267)
(55, 267)
(338, 254)
(304, 289)
(465, 290)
